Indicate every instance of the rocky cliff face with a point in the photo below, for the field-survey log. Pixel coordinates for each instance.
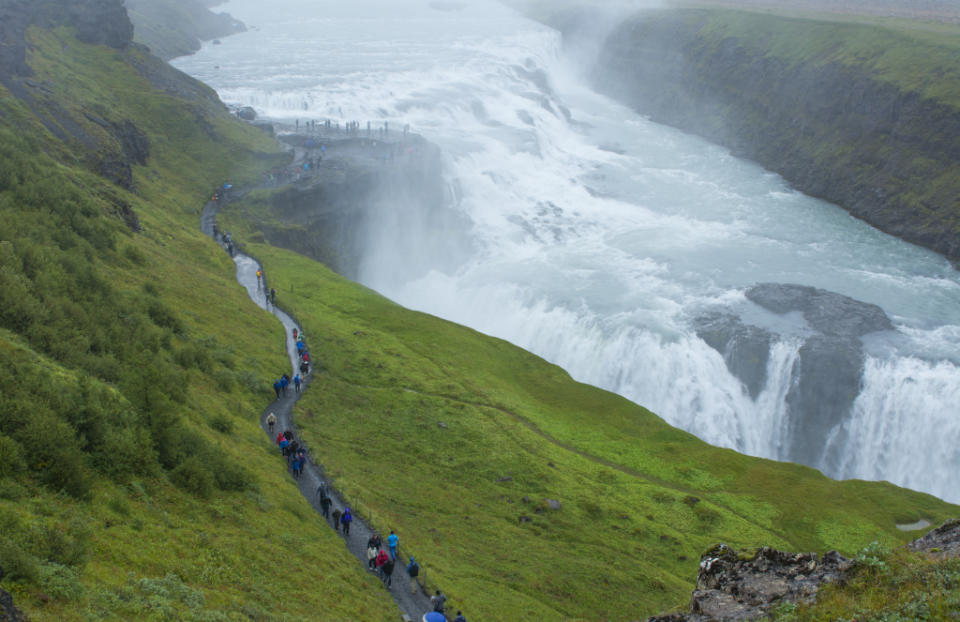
(355, 197)
(99, 22)
(833, 130)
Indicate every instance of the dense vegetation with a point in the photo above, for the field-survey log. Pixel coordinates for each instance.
(134, 478)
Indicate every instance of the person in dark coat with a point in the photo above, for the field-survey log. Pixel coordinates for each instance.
(388, 572)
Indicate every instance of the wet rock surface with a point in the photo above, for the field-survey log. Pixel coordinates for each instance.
(745, 348)
(730, 588)
(826, 374)
(944, 540)
(827, 312)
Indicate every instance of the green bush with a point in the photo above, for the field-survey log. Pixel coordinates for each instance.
(194, 477)
(60, 581)
(53, 452)
(17, 563)
(11, 457)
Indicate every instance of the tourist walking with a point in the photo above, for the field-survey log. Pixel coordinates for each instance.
(392, 541)
(336, 520)
(345, 519)
(388, 573)
(438, 601)
(271, 421)
(413, 569)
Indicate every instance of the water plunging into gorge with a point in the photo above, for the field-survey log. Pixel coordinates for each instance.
(625, 251)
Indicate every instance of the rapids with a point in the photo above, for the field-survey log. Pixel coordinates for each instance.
(599, 236)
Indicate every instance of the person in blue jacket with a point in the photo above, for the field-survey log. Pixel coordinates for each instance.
(392, 540)
(345, 519)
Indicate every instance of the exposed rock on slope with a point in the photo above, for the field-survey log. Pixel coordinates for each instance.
(97, 22)
(172, 28)
(730, 588)
(944, 540)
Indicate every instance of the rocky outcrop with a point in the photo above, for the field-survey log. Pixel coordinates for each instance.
(837, 130)
(730, 588)
(367, 196)
(8, 612)
(172, 28)
(99, 22)
(826, 375)
(943, 541)
(826, 312)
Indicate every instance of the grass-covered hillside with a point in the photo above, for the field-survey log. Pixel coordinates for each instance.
(457, 441)
(135, 482)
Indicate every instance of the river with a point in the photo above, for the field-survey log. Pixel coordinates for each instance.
(599, 237)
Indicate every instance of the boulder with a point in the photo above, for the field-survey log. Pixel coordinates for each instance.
(731, 588)
(944, 540)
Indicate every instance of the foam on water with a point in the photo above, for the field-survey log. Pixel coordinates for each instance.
(598, 237)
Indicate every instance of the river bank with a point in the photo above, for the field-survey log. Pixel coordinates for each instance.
(865, 116)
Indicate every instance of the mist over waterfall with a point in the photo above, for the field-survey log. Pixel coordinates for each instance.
(640, 259)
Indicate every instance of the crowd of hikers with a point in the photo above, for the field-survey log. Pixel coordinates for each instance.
(381, 556)
(381, 559)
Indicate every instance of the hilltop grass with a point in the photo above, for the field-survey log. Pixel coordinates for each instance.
(135, 481)
(450, 437)
(916, 57)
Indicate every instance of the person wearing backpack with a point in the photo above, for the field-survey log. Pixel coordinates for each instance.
(438, 601)
(413, 569)
(336, 520)
(271, 421)
(388, 572)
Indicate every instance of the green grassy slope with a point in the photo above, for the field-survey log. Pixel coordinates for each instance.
(639, 500)
(134, 479)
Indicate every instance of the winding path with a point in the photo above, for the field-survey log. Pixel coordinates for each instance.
(413, 603)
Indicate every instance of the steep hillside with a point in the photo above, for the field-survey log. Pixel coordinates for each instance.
(524, 491)
(863, 115)
(172, 28)
(134, 479)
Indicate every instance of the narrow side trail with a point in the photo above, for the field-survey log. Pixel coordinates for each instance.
(413, 603)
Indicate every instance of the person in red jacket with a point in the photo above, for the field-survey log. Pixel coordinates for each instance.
(382, 558)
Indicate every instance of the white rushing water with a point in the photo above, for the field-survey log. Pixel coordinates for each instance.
(600, 236)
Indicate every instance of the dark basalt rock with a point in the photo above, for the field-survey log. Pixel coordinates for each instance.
(827, 312)
(745, 348)
(944, 540)
(826, 376)
(730, 588)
